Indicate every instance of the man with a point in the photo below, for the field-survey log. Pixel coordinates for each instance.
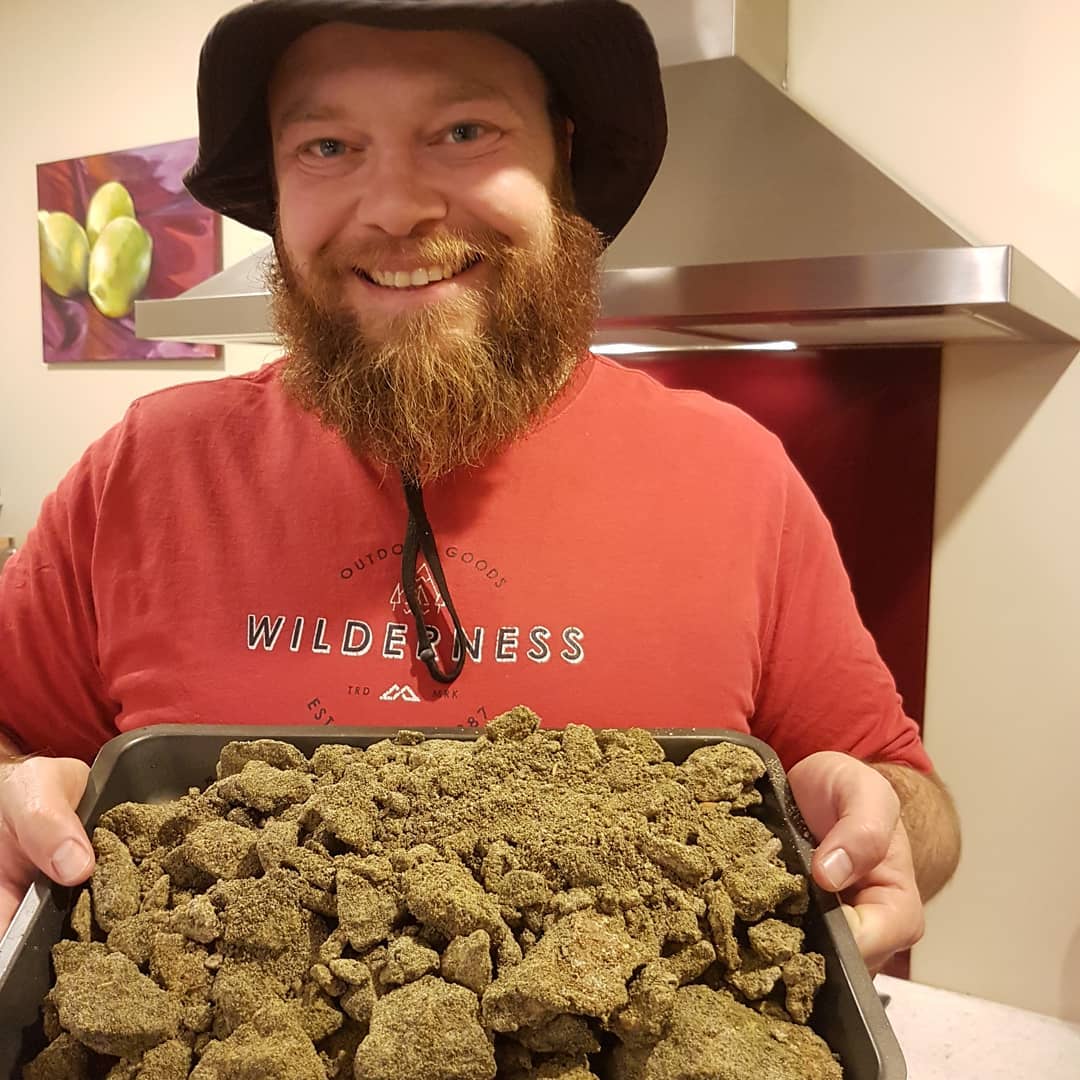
(440, 505)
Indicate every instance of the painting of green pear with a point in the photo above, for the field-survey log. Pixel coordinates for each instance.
(65, 253)
(119, 266)
(114, 229)
(111, 200)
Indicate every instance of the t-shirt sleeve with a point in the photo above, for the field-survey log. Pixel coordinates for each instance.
(52, 694)
(824, 685)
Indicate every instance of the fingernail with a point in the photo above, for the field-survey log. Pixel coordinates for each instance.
(70, 860)
(836, 866)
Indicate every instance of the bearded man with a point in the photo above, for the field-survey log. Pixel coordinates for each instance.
(441, 504)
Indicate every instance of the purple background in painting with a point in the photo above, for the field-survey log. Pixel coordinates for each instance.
(187, 249)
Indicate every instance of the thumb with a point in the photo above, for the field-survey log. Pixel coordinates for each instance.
(872, 933)
(882, 928)
(852, 810)
(37, 800)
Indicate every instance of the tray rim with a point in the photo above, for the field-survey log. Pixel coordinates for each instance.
(871, 1010)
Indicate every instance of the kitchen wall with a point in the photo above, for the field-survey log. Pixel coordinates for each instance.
(79, 77)
(972, 106)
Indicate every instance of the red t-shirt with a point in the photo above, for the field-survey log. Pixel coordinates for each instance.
(644, 557)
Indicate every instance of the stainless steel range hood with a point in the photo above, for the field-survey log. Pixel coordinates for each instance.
(762, 226)
(975, 294)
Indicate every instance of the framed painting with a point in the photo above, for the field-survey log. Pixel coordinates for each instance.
(112, 229)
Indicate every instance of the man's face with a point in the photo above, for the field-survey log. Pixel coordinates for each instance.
(382, 139)
(420, 249)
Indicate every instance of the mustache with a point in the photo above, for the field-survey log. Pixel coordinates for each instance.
(438, 249)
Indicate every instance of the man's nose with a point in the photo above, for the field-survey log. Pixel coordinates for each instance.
(397, 197)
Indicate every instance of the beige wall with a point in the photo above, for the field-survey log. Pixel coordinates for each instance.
(972, 105)
(80, 77)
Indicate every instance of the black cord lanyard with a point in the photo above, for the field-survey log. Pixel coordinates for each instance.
(419, 537)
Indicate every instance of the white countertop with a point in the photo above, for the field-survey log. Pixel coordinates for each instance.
(949, 1036)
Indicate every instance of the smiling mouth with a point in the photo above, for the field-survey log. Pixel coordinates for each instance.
(415, 279)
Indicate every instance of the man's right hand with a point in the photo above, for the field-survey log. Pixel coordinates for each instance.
(39, 829)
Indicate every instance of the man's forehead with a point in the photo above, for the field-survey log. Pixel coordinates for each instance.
(461, 65)
(306, 105)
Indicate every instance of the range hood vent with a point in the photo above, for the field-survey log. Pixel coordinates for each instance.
(762, 226)
(975, 294)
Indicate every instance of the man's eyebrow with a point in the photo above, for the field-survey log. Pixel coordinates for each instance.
(304, 110)
(460, 93)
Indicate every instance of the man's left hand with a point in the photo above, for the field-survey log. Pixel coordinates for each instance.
(863, 851)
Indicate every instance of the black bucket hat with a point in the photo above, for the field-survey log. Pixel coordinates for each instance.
(598, 56)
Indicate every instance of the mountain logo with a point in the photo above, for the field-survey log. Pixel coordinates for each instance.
(400, 693)
(427, 591)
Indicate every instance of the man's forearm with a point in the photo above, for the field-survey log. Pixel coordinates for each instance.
(932, 825)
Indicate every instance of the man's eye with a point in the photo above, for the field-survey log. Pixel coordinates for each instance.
(464, 133)
(325, 149)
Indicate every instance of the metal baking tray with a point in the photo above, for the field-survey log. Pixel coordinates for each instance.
(157, 764)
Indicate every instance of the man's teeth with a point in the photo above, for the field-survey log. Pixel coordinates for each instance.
(403, 279)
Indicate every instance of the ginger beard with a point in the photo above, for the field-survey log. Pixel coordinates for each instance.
(453, 381)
